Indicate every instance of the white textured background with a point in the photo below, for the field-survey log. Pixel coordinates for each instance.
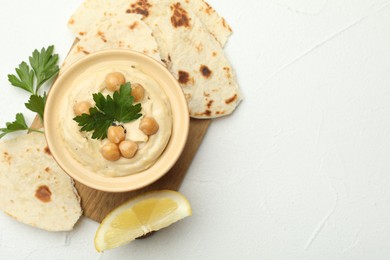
(302, 168)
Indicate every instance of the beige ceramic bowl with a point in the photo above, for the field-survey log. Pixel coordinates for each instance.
(86, 176)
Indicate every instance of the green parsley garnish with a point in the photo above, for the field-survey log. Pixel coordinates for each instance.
(108, 111)
(17, 125)
(43, 67)
(44, 64)
(36, 103)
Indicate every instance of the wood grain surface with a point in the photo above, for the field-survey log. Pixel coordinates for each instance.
(97, 204)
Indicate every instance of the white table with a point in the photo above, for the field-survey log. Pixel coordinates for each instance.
(300, 171)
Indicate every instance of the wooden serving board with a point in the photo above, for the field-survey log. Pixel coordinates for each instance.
(97, 204)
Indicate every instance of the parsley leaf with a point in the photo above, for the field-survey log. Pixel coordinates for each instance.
(120, 106)
(17, 125)
(108, 110)
(96, 121)
(24, 78)
(44, 64)
(36, 104)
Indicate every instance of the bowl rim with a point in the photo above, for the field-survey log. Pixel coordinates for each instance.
(135, 181)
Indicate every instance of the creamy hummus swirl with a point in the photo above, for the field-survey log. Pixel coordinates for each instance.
(86, 150)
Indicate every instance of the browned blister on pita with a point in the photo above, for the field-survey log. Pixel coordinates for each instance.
(140, 7)
(33, 188)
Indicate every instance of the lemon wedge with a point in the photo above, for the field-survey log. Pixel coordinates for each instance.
(143, 214)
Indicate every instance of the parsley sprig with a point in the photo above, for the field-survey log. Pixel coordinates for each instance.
(43, 66)
(18, 125)
(118, 108)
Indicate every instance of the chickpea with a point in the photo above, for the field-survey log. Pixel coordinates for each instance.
(81, 107)
(114, 80)
(138, 92)
(110, 152)
(128, 148)
(116, 134)
(148, 125)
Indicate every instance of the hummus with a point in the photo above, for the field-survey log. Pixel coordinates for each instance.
(86, 150)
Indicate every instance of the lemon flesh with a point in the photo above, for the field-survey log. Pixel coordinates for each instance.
(149, 212)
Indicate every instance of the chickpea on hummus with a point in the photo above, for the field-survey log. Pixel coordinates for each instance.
(128, 147)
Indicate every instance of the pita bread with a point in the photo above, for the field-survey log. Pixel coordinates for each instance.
(190, 51)
(126, 31)
(95, 10)
(33, 188)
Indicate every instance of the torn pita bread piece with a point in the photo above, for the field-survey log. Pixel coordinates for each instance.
(91, 11)
(194, 57)
(126, 31)
(33, 188)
